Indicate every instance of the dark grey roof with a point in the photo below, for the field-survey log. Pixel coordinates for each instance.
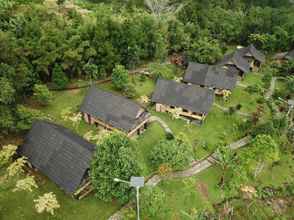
(189, 97)
(58, 153)
(211, 76)
(237, 60)
(115, 110)
(251, 51)
(290, 55)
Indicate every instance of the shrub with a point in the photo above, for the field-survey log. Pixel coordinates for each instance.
(130, 91)
(176, 154)
(120, 77)
(42, 94)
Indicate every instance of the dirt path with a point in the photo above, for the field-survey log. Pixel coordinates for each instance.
(197, 167)
(224, 109)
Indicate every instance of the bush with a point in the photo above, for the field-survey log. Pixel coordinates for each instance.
(92, 72)
(130, 91)
(265, 128)
(254, 89)
(42, 94)
(154, 203)
(177, 154)
(59, 78)
(120, 77)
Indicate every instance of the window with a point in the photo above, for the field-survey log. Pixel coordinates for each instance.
(184, 110)
(172, 107)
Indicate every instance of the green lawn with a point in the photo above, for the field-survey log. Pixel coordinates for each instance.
(20, 205)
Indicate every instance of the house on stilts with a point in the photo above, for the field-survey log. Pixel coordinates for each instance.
(61, 155)
(193, 101)
(114, 112)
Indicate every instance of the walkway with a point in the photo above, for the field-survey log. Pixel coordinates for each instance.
(271, 89)
(161, 123)
(197, 167)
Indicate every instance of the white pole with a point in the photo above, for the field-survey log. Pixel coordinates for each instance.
(138, 200)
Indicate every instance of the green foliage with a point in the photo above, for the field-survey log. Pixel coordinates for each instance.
(59, 78)
(7, 95)
(25, 117)
(287, 68)
(115, 157)
(255, 89)
(290, 135)
(177, 153)
(153, 202)
(6, 119)
(92, 72)
(120, 77)
(205, 50)
(264, 128)
(163, 71)
(178, 38)
(42, 94)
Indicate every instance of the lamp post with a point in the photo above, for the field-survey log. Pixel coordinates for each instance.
(136, 182)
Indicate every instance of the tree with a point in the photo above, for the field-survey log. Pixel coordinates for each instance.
(120, 77)
(225, 158)
(7, 95)
(59, 78)
(42, 94)
(205, 50)
(264, 150)
(47, 203)
(115, 157)
(92, 72)
(6, 154)
(177, 153)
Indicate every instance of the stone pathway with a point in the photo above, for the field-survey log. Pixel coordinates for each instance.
(271, 90)
(197, 167)
(161, 123)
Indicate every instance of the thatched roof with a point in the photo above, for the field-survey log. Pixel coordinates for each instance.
(58, 153)
(189, 97)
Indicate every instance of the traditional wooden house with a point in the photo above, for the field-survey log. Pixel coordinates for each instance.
(193, 101)
(58, 153)
(113, 112)
(236, 63)
(218, 78)
(254, 57)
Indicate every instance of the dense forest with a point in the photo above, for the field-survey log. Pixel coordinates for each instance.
(54, 46)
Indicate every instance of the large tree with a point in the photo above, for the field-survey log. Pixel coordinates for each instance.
(115, 157)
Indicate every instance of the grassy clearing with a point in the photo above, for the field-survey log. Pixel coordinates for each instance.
(192, 194)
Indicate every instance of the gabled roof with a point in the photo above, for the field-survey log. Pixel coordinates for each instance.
(58, 153)
(115, 110)
(236, 59)
(251, 51)
(189, 97)
(211, 76)
(290, 55)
